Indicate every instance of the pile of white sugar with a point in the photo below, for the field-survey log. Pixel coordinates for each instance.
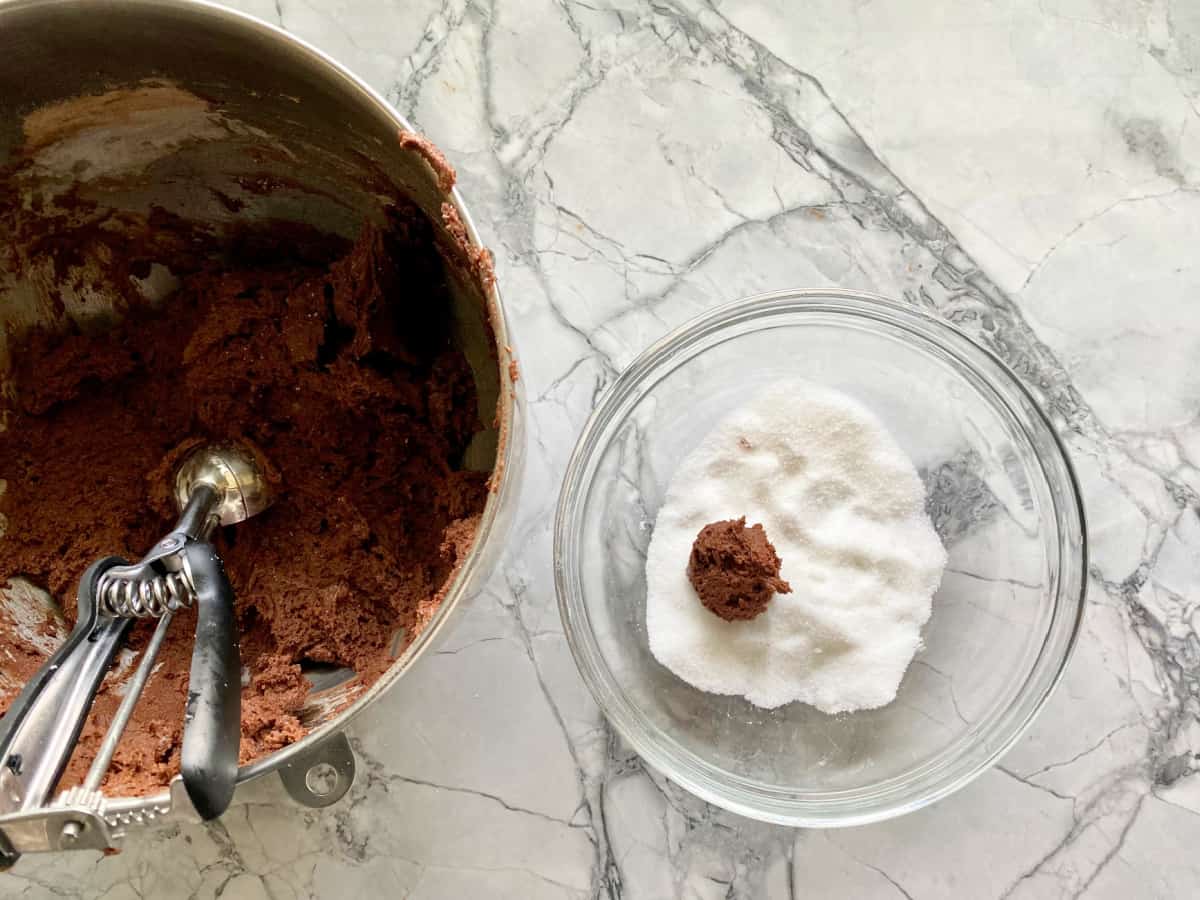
(845, 510)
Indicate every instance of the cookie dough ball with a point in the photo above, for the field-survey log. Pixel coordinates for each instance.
(735, 569)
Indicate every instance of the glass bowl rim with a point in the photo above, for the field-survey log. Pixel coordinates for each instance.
(910, 790)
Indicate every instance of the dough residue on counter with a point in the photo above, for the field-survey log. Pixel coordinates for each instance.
(845, 509)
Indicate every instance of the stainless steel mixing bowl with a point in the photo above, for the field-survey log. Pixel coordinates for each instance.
(220, 118)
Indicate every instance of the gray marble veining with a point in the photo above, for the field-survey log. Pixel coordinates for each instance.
(1027, 169)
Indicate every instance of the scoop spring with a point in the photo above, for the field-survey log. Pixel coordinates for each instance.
(135, 596)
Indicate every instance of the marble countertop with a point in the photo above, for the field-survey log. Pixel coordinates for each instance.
(1027, 168)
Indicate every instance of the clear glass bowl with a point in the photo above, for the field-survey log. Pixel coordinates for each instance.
(1001, 494)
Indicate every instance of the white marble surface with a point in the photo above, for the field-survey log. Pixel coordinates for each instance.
(1027, 168)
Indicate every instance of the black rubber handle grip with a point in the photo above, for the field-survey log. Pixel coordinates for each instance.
(213, 718)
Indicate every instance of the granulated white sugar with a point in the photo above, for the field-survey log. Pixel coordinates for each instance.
(845, 509)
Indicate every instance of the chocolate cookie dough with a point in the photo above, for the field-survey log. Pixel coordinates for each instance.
(735, 569)
(337, 361)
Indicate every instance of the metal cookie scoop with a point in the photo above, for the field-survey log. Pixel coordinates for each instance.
(215, 484)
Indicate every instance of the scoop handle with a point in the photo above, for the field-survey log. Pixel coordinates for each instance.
(212, 720)
(40, 729)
